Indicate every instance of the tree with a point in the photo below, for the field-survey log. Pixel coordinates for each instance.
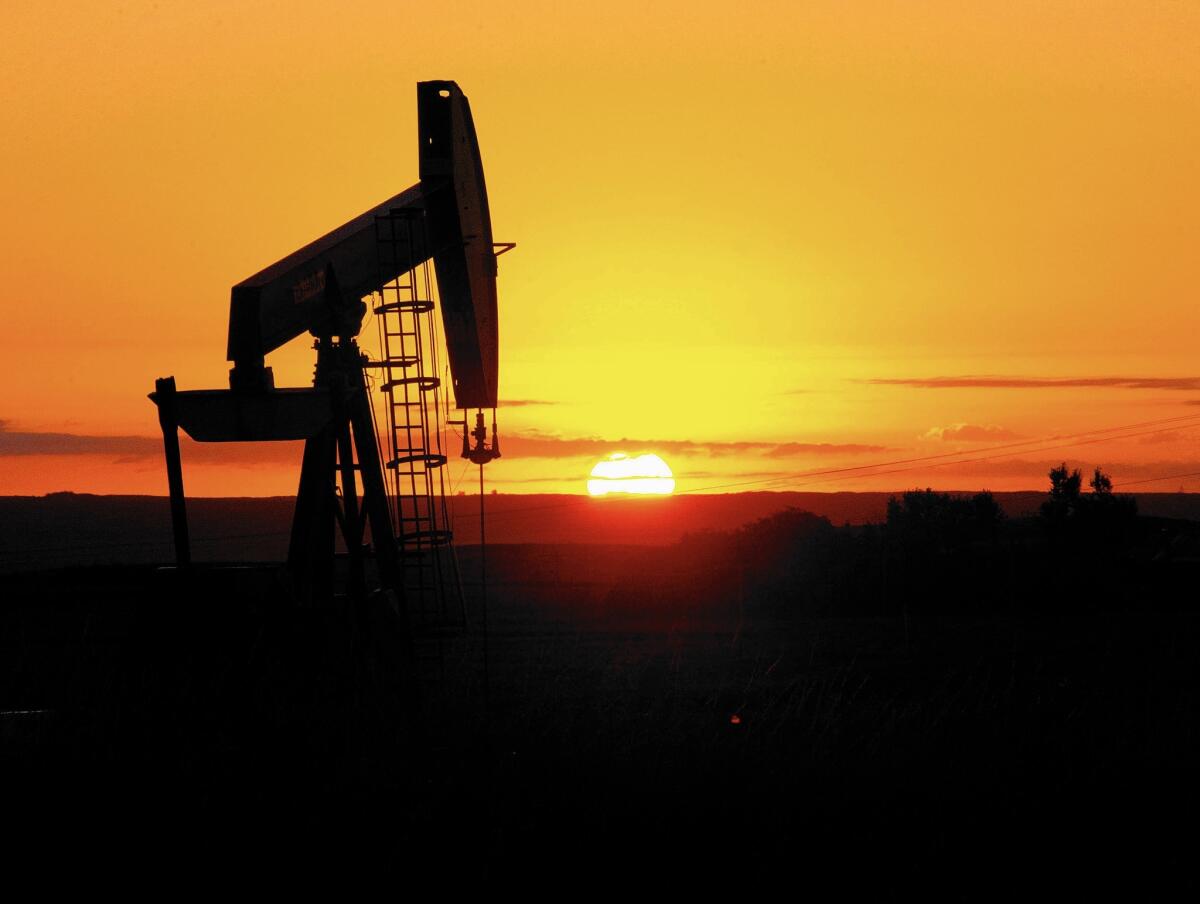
(942, 521)
(1064, 485)
(1099, 517)
(1063, 501)
(1108, 515)
(1101, 483)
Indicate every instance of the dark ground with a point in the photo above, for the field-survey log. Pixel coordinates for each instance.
(61, 529)
(199, 727)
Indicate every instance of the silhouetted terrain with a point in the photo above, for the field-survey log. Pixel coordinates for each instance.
(947, 702)
(72, 529)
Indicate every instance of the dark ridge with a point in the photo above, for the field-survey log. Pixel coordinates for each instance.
(81, 529)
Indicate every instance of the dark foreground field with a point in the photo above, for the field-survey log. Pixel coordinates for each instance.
(152, 727)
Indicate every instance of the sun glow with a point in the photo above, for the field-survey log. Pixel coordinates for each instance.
(646, 475)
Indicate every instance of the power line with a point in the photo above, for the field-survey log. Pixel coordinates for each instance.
(1085, 442)
(1174, 421)
(829, 475)
(936, 460)
(1129, 483)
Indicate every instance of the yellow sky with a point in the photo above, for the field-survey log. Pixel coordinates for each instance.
(729, 222)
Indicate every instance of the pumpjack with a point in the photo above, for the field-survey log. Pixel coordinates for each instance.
(320, 290)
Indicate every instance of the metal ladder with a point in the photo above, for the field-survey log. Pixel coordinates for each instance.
(415, 458)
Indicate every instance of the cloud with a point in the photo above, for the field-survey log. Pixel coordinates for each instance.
(517, 445)
(16, 443)
(1037, 470)
(790, 450)
(1166, 438)
(729, 475)
(500, 478)
(536, 445)
(523, 403)
(129, 449)
(970, 433)
(986, 382)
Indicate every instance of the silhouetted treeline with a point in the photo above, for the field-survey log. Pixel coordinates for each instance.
(67, 529)
(936, 553)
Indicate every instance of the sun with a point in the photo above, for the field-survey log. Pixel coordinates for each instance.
(643, 475)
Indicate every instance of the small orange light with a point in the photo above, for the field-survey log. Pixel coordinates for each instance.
(735, 719)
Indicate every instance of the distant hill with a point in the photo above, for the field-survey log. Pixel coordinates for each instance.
(70, 529)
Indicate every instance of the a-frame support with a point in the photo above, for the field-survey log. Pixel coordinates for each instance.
(344, 447)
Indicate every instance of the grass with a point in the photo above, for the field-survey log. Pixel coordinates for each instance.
(960, 757)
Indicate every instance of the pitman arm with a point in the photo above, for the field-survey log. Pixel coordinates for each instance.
(319, 288)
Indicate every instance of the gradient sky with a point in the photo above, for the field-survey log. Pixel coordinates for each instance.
(762, 242)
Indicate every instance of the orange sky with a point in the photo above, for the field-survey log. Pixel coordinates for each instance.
(731, 225)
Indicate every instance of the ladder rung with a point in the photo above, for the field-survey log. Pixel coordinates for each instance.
(430, 460)
(415, 306)
(425, 384)
(435, 537)
(404, 361)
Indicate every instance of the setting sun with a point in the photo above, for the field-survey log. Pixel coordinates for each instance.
(643, 474)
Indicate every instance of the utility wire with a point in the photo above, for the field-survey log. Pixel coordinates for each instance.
(1084, 438)
(989, 449)
(938, 460)
(1129, 483)
(962, 461)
